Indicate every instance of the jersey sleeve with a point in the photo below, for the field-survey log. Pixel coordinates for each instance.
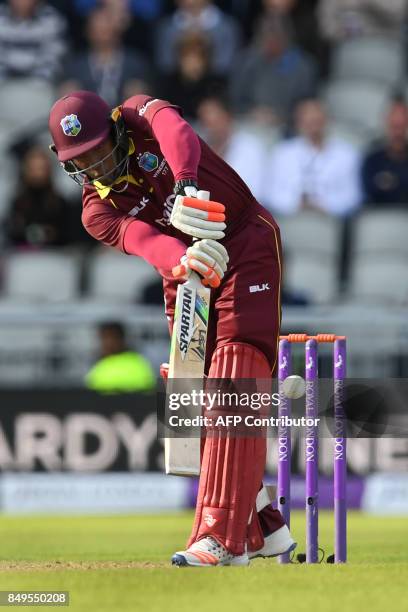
(132, 236)
(177, 140)
(106, 224)
(145, 108)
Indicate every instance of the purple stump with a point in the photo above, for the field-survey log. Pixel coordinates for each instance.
(340, 459)
(311, 456)
(284, 439)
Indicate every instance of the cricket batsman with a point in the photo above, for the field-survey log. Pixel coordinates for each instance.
(132, 162)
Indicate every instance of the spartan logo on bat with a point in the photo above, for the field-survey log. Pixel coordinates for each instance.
(185, 327)
(192, 304)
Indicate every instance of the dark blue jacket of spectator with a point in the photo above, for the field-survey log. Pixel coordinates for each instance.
(145, 9)
(385, 179)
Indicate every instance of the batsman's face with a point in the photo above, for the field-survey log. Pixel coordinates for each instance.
(99, 163)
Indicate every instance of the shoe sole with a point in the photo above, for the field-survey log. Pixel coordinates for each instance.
(285, 552)
(180, 561)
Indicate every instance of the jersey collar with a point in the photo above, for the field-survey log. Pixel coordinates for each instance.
(103, 191)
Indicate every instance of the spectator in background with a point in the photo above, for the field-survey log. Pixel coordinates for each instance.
(203, 16)
(119, 369)
(272, 75)
(246, 11)
(38, 215)
(135, 18)
(107, 67)
(313, 170)
(240, 149)
(302, 17)
(192, 79)
(344, 19)
(32, 40)
(385, 167)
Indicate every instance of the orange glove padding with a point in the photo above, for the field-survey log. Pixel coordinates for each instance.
(210, 210)
(206, 257)
(199, 218)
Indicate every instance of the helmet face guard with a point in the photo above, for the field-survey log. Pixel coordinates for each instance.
(107, 174)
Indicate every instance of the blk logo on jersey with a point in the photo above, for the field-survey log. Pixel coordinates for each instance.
(256, 288)
(71, 126)
(148, 161)
(139, 207)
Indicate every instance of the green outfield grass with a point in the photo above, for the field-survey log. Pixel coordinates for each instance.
(121, 563)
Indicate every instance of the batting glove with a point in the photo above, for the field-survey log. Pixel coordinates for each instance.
(198, 218)
(206, 257)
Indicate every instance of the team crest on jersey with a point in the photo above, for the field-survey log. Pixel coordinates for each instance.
(71, 126)
(148, 161)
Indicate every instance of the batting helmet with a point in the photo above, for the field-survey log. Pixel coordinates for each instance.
(81, 122)
(78, 123)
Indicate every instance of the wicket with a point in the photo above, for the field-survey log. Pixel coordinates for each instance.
(312, 444)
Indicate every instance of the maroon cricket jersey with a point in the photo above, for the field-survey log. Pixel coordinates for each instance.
(149, 197)
(164, 148)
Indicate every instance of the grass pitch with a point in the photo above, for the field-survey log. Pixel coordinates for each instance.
(122, 563)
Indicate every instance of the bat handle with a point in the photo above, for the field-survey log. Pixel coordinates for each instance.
(194, 279)
(202, 195)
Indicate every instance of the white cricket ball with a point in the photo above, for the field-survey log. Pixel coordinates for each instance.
(294, 386)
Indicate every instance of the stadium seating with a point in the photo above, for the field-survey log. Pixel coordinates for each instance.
(357, 136)
(371, 58)
(24, 106)
(311, 232)
(8, 180)
(114, 277)
(26, 349)
(312, 246)
(359, 104)
(381, 279)
(381, 232)
(314, 276)
(46, 276)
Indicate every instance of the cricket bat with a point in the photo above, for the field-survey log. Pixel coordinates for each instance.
(187, 360)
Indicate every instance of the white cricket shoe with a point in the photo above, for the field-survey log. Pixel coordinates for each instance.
(277, 543)
(207, 553)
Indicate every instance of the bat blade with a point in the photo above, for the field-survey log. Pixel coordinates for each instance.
(187, 361)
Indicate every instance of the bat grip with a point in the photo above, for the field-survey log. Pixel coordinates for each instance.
(202, 195)
(195, 278)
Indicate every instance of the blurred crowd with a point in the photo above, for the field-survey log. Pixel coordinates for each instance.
(304, 98)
